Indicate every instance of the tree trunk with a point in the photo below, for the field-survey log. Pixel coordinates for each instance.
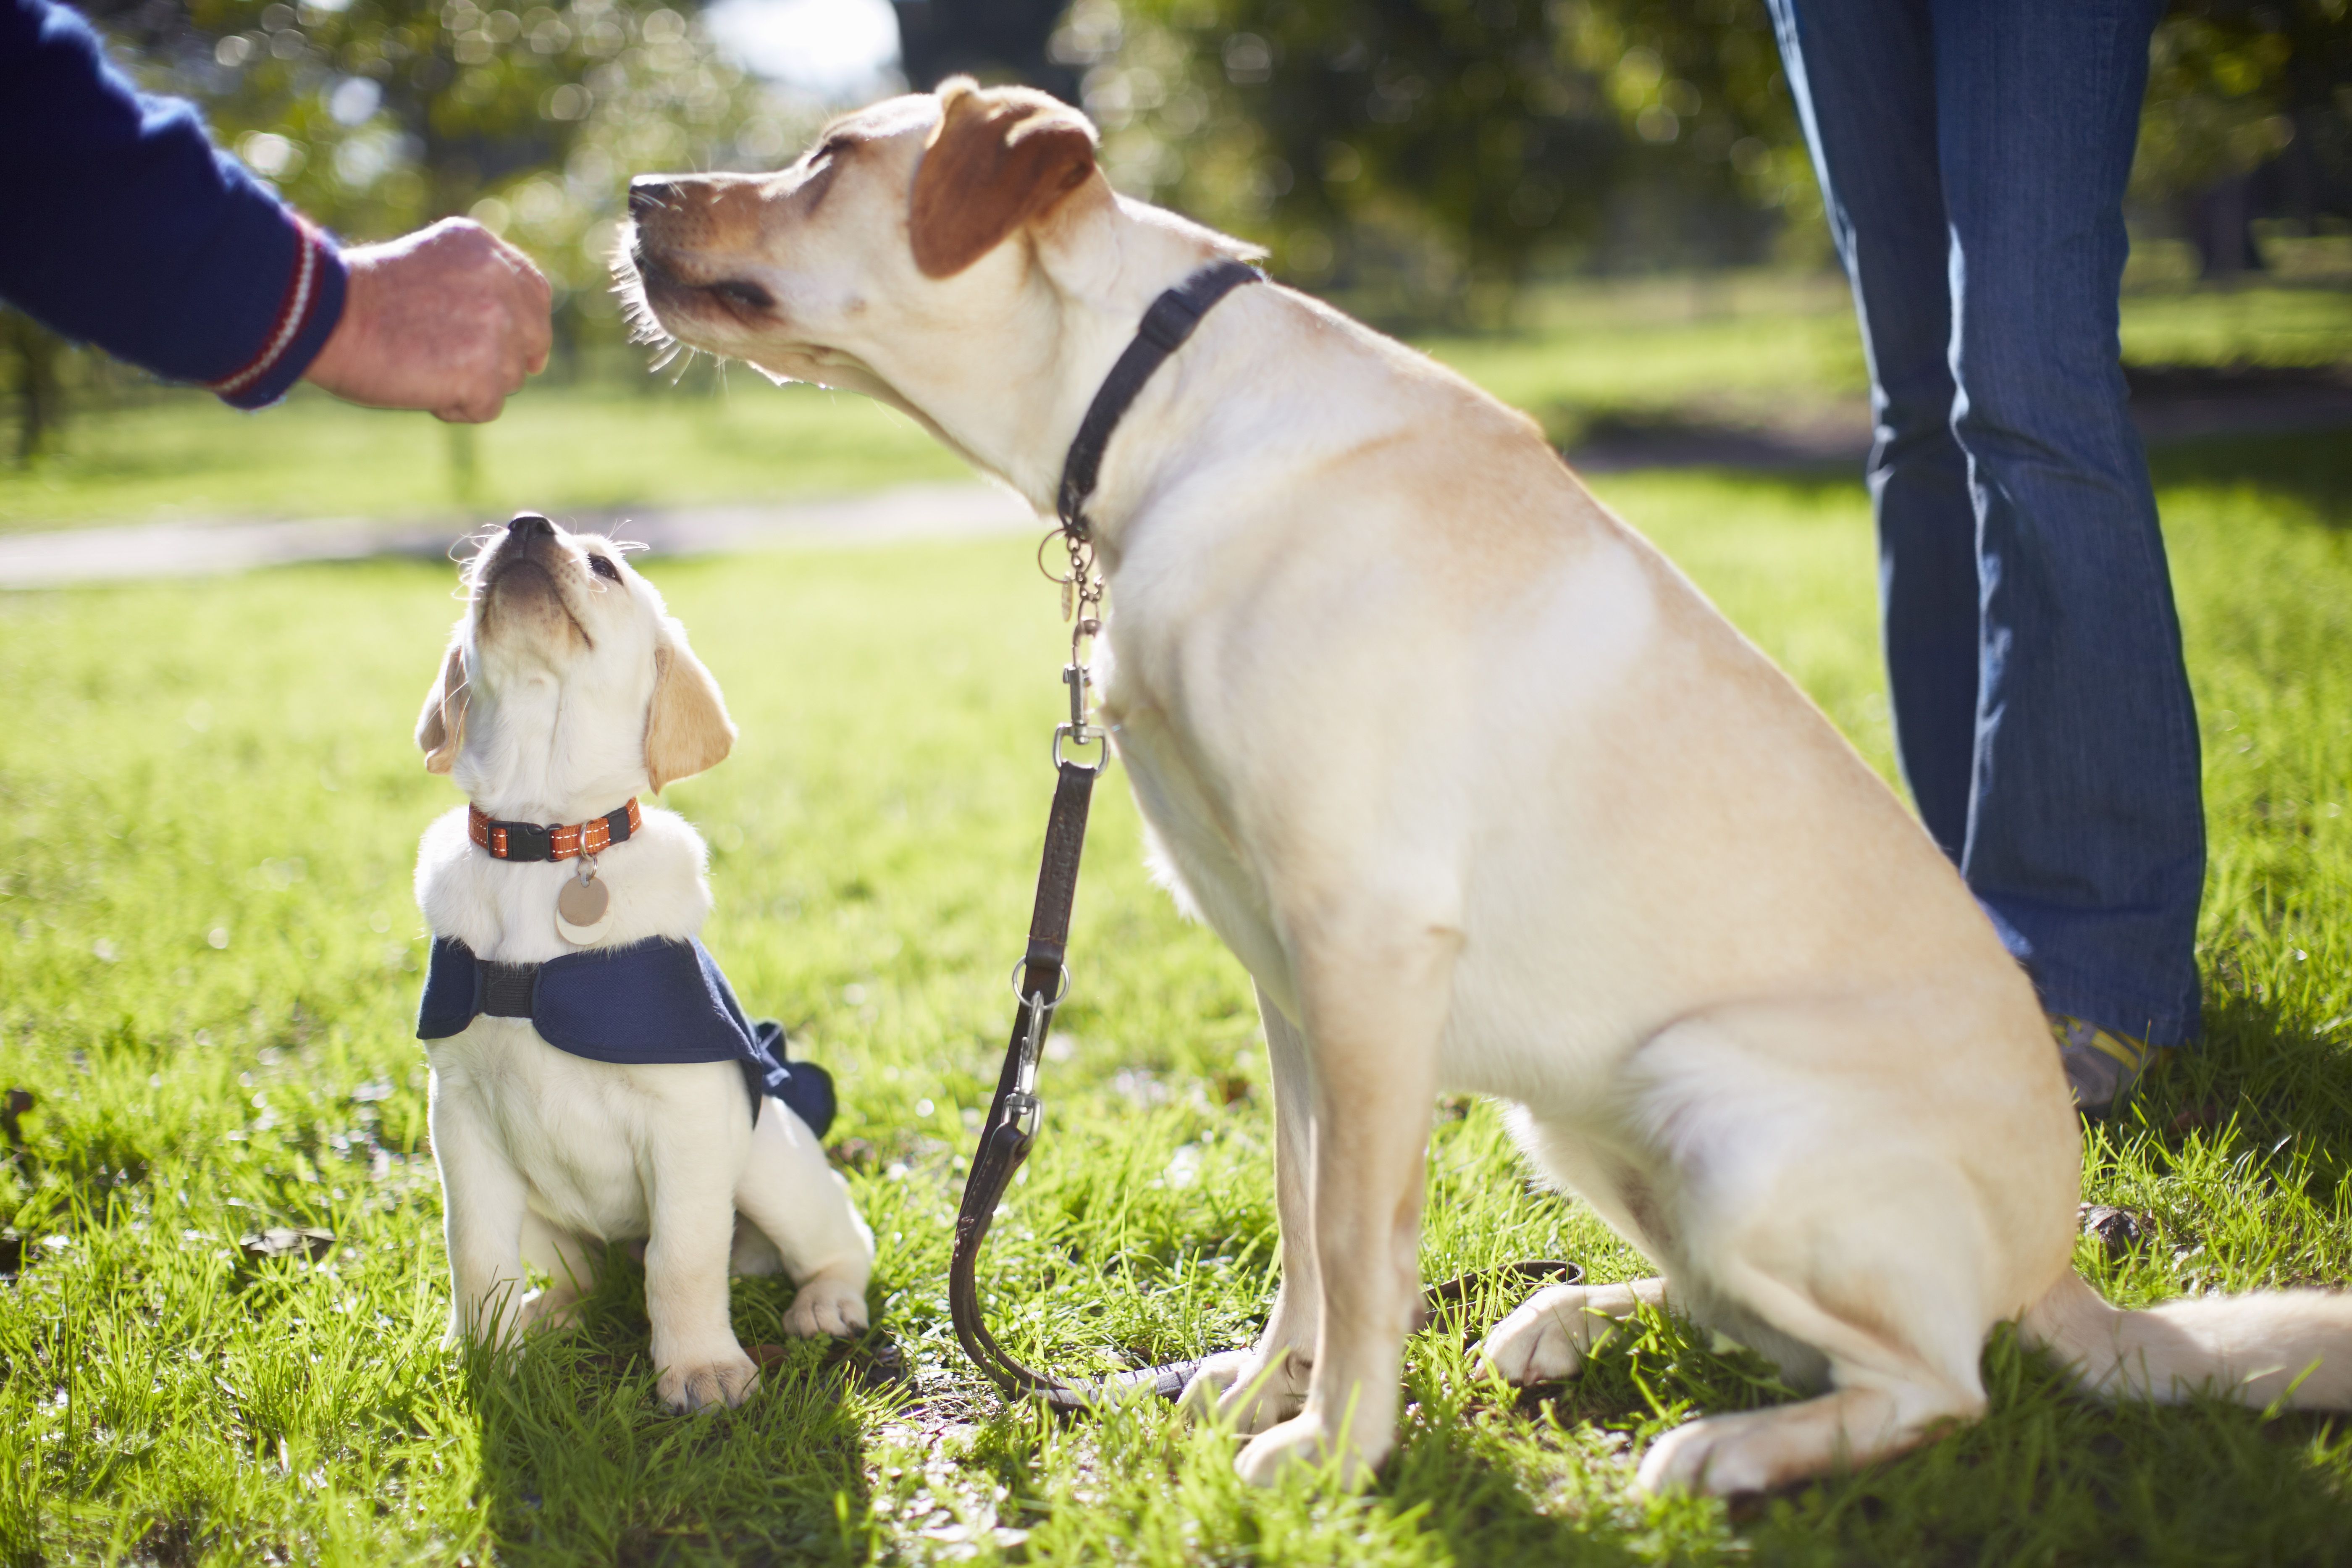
(2220, 223)
(40, 397)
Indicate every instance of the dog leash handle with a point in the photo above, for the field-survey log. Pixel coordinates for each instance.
(1014, 1115)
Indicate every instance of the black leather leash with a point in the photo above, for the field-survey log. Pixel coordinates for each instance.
(1011, 1130)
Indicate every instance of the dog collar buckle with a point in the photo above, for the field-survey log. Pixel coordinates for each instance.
(525, 841)
(553, 840)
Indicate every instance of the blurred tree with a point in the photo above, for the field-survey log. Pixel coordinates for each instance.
(2249, 114)
(35, 387)
(1442, 145)
(1432, 151)
(994, 40)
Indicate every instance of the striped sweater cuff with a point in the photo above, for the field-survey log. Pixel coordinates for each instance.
(307, 315)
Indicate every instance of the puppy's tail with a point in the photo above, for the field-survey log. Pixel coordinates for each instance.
(2292, 1348)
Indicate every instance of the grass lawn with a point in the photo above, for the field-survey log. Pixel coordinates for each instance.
(1763, 349)
(209, 963)
(561, 448)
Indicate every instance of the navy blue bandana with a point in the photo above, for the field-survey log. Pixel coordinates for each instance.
(652, 1002)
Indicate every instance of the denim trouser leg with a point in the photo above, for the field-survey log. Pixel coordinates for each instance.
(1972, 154)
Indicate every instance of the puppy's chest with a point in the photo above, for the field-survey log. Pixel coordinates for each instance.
(574, 1129)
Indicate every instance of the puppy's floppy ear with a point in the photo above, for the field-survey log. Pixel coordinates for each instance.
(686, 727)
(441, 728)
(999, 159)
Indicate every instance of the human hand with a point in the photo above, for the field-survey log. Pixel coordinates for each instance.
(450, 320)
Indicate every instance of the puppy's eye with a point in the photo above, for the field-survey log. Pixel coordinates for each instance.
(602, 566)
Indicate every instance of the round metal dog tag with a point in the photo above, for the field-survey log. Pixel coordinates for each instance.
(583, 910)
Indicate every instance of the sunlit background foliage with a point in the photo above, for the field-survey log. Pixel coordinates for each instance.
(378, 116)
(1422, 161)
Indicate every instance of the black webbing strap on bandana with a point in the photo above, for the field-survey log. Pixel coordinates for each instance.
(1164, 328)
(1014, 1116)
(649, 1002)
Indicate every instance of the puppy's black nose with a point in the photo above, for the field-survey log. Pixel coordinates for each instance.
(649, 193)
(530, 525)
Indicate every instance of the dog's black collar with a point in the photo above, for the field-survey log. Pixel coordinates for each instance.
(1165, 327)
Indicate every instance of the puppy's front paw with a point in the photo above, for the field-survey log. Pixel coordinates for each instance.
(1249, 1390)
(549, 1311)
(689, 1385)
(1304, 1440)
(1546, 1339)
(827, 1304)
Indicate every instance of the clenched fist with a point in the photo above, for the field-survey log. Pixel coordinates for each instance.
(450, 320)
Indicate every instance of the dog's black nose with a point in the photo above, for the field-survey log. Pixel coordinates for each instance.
(649, 193)
(531, 525)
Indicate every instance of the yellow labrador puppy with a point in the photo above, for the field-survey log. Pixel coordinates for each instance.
(1488, 798)
(594, 1080)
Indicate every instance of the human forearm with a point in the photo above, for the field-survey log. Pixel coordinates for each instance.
(128, 230)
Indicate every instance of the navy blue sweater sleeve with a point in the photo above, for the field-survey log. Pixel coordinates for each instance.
(127, 229)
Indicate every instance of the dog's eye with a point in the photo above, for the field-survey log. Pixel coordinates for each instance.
(602, 566)
(744, 296)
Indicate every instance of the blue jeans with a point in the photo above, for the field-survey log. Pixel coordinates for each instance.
(1972, 155)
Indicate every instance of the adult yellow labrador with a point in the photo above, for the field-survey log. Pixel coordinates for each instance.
(1488, 798)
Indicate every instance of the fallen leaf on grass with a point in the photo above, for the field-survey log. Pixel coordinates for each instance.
(285, 1241)
(2204, 1114)
(2119, 1230)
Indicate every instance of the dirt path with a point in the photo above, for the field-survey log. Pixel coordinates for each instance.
(127, 553)
(2165, 405)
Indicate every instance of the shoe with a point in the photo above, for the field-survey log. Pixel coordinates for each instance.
(2102, 1067)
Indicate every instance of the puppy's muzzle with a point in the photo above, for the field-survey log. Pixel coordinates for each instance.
(518, 586)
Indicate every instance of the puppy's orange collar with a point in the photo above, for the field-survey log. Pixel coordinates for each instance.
(550, 840)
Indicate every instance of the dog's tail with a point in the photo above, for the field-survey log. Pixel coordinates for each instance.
(2292, 1348)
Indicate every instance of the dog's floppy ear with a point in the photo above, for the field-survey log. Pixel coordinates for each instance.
(441, 728)
(999, 159)
(686, 727)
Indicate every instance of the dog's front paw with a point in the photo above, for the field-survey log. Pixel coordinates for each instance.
(1721, 1456)
(499, 1328)
(827, 1305)
(1250, 1391)
(1546, 1339)
(1305, 1441)
(689, 1385)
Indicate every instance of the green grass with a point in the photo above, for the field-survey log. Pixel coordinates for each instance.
(1764, 350)
(209, 960)
(1772, 350)
(561, 448)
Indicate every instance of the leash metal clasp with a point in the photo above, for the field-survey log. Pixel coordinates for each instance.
(1023, 1110)
(1080, 730)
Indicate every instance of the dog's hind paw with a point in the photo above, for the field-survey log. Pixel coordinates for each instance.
(827, 1305)
(1719, 1456)
(1546, 1339)
(1241, 1390)
(725, 1382)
